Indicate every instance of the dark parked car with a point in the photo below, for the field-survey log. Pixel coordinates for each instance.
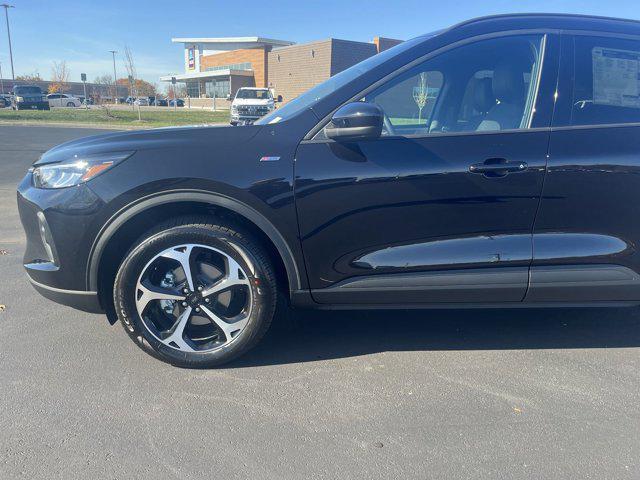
(178, 103)
(29, 97)
(495, 163)
(161, 102)
(5, 101)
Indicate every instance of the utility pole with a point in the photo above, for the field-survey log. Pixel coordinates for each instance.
(6, 16)
(1, 81)
(115, 78)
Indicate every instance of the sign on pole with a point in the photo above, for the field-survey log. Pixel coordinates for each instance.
(83, 77)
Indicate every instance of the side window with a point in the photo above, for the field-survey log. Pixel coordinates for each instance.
(606, 86)
(486, 85)
(409, 104)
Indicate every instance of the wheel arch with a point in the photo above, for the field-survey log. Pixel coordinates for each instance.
(125, 215)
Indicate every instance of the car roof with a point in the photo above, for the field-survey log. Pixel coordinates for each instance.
(561, 21)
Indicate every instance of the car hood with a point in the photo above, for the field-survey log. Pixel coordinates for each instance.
(158, 138)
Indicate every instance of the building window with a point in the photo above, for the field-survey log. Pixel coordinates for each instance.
(233, 66)
(217, 88)
(193, 89)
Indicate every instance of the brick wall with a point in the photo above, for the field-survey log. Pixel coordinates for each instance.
(383, 43)
(294, 70)
(256, 56)
(345, 53)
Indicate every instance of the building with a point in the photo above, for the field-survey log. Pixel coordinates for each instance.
(218, 67)
(295, 69)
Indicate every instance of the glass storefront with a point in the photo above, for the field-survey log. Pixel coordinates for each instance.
(217, 88)
(221, 87)
(193, 88)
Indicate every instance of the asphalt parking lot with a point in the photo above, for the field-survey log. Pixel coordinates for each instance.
(349, 395)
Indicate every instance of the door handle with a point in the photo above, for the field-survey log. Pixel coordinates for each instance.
(497, 167)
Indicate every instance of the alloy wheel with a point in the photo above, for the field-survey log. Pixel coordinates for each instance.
(194, 298)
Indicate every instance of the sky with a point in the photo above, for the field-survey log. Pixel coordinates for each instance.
(82, 32)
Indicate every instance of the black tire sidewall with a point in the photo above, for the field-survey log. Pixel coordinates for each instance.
(229, 242)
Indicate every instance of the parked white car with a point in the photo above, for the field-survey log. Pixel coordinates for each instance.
(63, 100)
(141, 102)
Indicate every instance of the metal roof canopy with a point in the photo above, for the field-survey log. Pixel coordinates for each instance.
(206, 74)
(233, 43)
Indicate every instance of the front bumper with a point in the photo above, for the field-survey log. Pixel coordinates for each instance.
(243, 119)
(78, 299)
(32, 105)
(56, 223)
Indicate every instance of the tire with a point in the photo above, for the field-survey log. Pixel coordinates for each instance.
(71, 104)
(204, 243)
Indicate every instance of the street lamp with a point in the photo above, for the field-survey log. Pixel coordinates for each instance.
(115, 78)
(6, 16)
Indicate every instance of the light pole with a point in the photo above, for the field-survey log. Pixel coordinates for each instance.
(1, 81)
(115, 78)
(6, 16)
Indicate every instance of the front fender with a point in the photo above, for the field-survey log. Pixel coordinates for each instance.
(175, 196)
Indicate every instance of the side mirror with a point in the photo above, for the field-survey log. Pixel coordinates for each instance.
(355, 121)
(279, 99)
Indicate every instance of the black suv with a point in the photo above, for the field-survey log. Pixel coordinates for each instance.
(495, 163)
(29, 97)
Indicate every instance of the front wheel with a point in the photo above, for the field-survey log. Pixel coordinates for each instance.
(195, 293)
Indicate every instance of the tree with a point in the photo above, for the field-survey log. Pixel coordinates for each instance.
(104, 80)
(178, 90)
(30, 77)
(101, 87)
(130, 66)
(59, 77)
(421, 94)
(141, 87)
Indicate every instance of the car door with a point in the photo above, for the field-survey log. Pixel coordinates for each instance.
(587, 232)
(440, 208)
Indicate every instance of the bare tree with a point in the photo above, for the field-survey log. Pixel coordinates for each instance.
(421, 94)
(101, 87)
(30, 77)
(59, 77)
(130, 66)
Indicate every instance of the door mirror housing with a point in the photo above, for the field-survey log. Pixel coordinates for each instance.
(355, 121)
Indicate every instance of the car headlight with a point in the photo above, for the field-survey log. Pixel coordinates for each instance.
(19, 99)
(78, 169)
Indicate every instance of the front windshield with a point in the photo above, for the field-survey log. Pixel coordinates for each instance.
(310, 97)
(254, 94)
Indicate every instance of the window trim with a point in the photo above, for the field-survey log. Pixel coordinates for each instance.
(566, 81)
(311, 136)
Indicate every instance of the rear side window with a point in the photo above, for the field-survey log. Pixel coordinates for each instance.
(606, 86)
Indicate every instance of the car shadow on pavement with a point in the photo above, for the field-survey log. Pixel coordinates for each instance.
(321, 335)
